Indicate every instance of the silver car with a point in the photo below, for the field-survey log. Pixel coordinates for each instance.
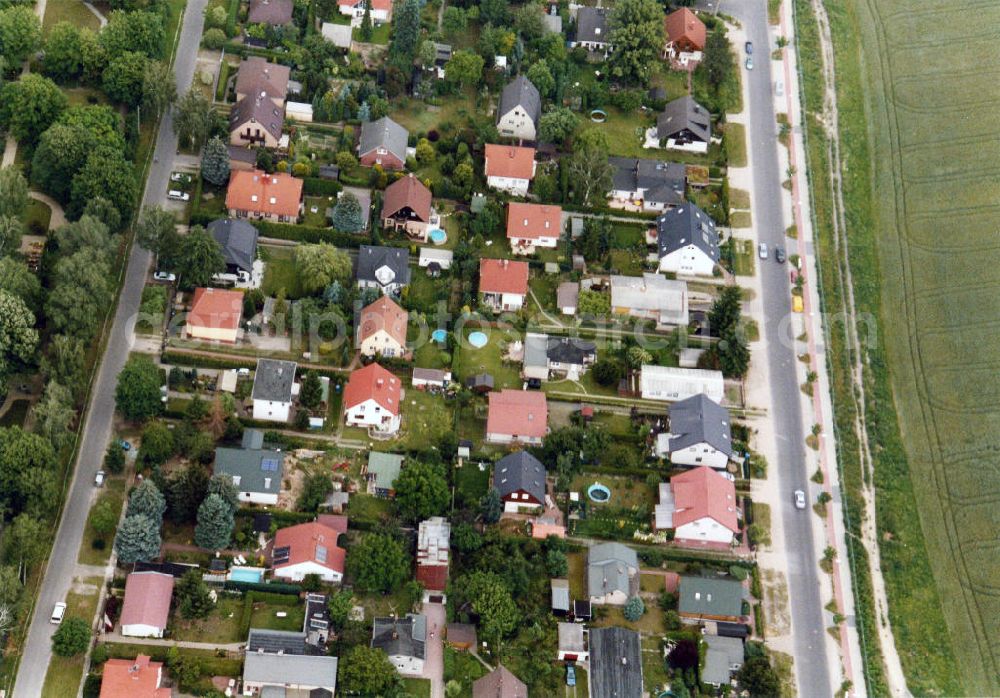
(800, 499)
(762, 250)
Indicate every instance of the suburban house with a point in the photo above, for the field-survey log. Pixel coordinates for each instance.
(699, 434)
(612, 573)
(337, 34)
(384, 268)
(671, 384)
(406, 206)
(133, 678)
(649, 185)
(404, 640)
(256, 472)
(592, 31)
(255, 194)
(259, 113)
(685, 38)
(381, 329)
(433, 543)
(381, 10)
(572, 645)
(533, 225)
(499, 683)
(272, 12)
(710, 598)
(567, 295)
(430, 378)
(381, 472)
(684, 125)
(519, 478)
(687, 241)
(509, 168)
(723, 657)
(564, 356)
(238, 240)
(560, 596)
(372, 400)
(503, 284)
(517, 416)
(279, 673)
(310, 548)
(383, 143)
(615, 663)
(147, 604)
(519, 109)
(273, 388)
(215, 315)
(700, 505)
(651, 297)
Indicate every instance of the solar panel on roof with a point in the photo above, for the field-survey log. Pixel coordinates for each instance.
(269, 465)
(281, 554)
(321, 553)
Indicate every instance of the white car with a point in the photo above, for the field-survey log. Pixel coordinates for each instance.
(58, 611)
(178, 195)
(99, 478)
(779, 88)
(164, 276)
(180, 177)
(762, 250)
(749, 63)
(800, 499)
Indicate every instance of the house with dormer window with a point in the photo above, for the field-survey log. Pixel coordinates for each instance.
(384, 268)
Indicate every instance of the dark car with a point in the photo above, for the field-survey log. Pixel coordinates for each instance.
(534, 384)
(749, 47)
(779, 255)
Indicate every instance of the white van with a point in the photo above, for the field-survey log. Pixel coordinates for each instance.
(58, 611)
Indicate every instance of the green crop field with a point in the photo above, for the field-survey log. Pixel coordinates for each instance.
(917, 88)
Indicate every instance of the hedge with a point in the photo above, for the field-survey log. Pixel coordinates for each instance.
(316, 186)
(234, 10)
(273, 587)
(176, 358)
(306, 233)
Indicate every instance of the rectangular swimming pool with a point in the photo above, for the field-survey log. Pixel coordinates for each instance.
(246, 574)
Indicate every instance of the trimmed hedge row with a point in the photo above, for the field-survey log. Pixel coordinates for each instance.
(176, 358)
(272, 588)
(307, 233)
(316, 186)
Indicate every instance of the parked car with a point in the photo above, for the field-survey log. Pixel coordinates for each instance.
(570, 675)
(178, 195)
(748, 46)
(534, 384)
(749, 63)
(58, 611)
(762, 250)
(164, 276)
(779, 88)
(124, 445)
(800, 499)
(779, 255)
(99, 478)
(180, 177)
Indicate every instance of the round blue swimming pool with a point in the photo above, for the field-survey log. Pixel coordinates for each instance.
(598, 493)
(478, 339)
(439, 336)
(437, 236)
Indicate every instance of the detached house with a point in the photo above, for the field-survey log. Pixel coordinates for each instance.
(381, 10)
(699, 434)
(685, 38)
(404, 640)
(433, 544)
(564, 356)
(612, 573)
(381, 329)
(533, 225)
(310, 548)
(384, 268)
(406, 206)
(372, 400)
(615, 663)
(592, 32)
(519, 110)
(147, 604)
(517, 416)
(685, 125)
(258, 116)
(503, 284)
(509, 168)
(383, 142)
(255, 471)
(651, 297)
(700, 505)
(215, 315)
(519, 478)
(687, 241)
(133, 678)
(255, 194)
(238, 240)
(277, 672)
(710, 598)
(672, 384)
(273, 388)
(271, 12)
(499, 683)
(649, 185)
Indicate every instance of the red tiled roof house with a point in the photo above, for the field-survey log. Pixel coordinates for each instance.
(382, 329)
(685, 38)
(215, 315)
(147, 604)
(255, 194)
(503, 284)
(406, 206)
(133, 678)
(517, 416)
(700, 505)
(509, 168)
(310, 548)
(433, 542)
(381, 10)
(533, 225)
(372, 400)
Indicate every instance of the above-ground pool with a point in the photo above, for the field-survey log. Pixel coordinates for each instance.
(439, 336)
(437, 236)
(598, 116)
(246, 574)
(598, 492)
(478, 339)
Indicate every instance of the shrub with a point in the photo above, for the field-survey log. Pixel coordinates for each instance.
(214, 39)
(634, 609)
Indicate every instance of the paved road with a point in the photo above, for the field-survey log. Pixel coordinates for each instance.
(809, 632)
(100, 412)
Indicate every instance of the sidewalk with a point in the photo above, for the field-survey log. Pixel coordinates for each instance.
(211, 647)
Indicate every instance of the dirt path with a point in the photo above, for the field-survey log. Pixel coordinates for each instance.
(895, 677)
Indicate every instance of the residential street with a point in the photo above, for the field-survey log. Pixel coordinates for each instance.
(98, 420)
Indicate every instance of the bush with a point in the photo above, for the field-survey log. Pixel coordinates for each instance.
(315, 186)
(214, 39)
(72, 638)
(634, 609)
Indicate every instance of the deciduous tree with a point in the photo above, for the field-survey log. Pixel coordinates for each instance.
(556, 125)
(464, 68)
(13, 192)
(200, 258)
(421, 492)
(378, 562)
(159, 89)
(589, 169)
(320, 265)
(30, 105)
(18, 280)
(20, 33)
(193, 118)
(18, 336)
(141, 32)
(492, 602)
(125, 76)
(72, 637)
(63, 60)
(137, 394)
(106, 174)
(637, 38)
(367, 671)
(54, 414)
(541, 77)
(194, 600)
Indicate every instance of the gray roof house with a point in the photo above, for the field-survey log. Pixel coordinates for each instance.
(651, 296)
(271, 674)
(592, 30)
(258, 109)
(384, 268)
(256, 472)
(403, 639)
(519, 477)
(701, 598)
(384, 133)
(657, 184)
(723, 657)
(238, 240)
(382, 471)
(277, 641)
(273, 380)
(691, 232)
(565, 352)
(698, 422)
(612, 573)
(615, 663)
(684, 121)
(519, 109)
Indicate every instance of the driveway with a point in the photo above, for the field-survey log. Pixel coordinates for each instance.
(434, 649)
(96, 431)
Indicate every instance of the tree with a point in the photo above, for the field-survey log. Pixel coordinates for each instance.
(606, 372)
(492, 602)
(159, 89)
(464, 68)
(125, 76)
(10, 584)
(541, 77)
(10, 235)
(320, 265)
(26, 461)
(405, 32)
(200, 258)
(589, 169)
(20, 33)
(556, 125)
(637, 37)
(494, 12)
(114, 458)
(454, 21)
(18, 336)
(103, 210)
(215, 162)
(595, 243)
(366, 29)
(146, 500)
(157, 444)
(30, 105)
(347, 214)
(138, 539)
(529, 23)
(72, 637)
(194, 600)
(185, 491)
(717, 61)
(26, 538)
(137, 395)
(222, 486)
(724, 315)
(634, 609)
(311, 393)
(17, 280)
(105, 174)
(54, 414)
(315, 489)
(194, 118)
(556, 563)
(421, 492)
(758, 678)
(64, 362)
(13, 192)
(156, 230)
(142, 32)
(63, 60)
(636, 357)
(81, 293)
(103, 518)
(215, 523)
(89, 234)
(378, 562)
(367, 671)
(733, 354)
(492, 506)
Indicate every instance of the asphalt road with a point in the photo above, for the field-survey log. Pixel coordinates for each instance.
(808, 629)
(100, 412)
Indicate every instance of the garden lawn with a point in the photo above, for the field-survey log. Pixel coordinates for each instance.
(417, 688)
(65, 673)
(114, 492)
(626, 492)
(734, 139)
(650, 623)
(36, 217)
(419, 117)
(463, 668)
(471, 361)
(72, 11)
(317, 219)
(426, 419)
(266, 617)
(471, 482)
(15, 414)
(222, 625)
(380, 34)
(577, 574)
(280, 272)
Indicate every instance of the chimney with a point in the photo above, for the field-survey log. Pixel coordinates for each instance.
(380, 382)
